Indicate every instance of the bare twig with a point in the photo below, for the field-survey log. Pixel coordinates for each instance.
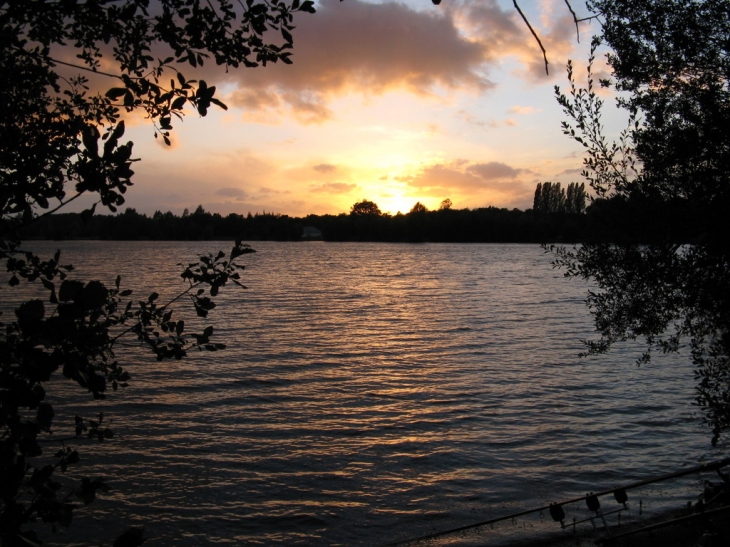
(575, 20)
(537, 38)
(87, 69)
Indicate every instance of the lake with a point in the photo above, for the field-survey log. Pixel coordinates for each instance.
(373, 393)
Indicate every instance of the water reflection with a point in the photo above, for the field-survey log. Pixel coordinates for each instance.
(374, 392)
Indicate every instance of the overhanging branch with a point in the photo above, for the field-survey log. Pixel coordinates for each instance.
(537, 38)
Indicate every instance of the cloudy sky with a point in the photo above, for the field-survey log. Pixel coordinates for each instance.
(395, 102)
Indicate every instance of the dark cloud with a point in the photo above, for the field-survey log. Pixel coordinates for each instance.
(494, 170)
(500, 31)
(365, 48)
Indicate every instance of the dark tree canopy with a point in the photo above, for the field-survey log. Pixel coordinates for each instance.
(671, 60)
(61, 139)
(484, 224)
(51, 49)
(551, 198)
(365, 208)
(418, 208)
(548, 198)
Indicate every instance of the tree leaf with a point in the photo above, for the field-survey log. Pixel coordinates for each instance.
(178, 103)
(116, 92)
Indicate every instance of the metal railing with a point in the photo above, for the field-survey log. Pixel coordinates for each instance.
(591, 499)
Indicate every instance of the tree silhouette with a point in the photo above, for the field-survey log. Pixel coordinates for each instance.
(671, 59)
(365, 208)
(59, 140)
(575, 198)
(551, 198)
(418, 208)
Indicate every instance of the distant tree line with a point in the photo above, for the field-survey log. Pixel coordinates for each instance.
(557, 216)
(365, 222)
(199, 225)
(551, 198)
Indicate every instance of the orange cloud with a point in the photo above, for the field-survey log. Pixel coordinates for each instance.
(231, 193)
(494, 170)
(362, 48)
(469, 179)
(502, 33)
(334, 188)
(522, 109)
(268, 190)
(324, 168)
(370, 49)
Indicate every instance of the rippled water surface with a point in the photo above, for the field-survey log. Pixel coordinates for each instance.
(372, 393)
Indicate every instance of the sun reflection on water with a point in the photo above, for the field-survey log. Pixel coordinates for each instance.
(371, 393)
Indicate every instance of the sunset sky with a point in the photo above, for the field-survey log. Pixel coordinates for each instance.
(391, 102)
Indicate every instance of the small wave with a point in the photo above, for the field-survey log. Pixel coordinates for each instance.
(258, 382)
(380, 394)
(286, 521)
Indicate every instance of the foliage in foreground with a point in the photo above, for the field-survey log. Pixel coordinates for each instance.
(671, 61)
(61, 132)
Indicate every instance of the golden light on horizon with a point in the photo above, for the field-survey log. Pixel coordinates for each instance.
(400, 203)
(393, 125)
(391, 194)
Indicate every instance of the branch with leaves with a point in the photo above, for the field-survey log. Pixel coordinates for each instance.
(60, 141)
(659, 257)
(610, 167)
(74, 330)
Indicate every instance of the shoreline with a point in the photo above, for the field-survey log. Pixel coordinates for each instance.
(696, 526)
